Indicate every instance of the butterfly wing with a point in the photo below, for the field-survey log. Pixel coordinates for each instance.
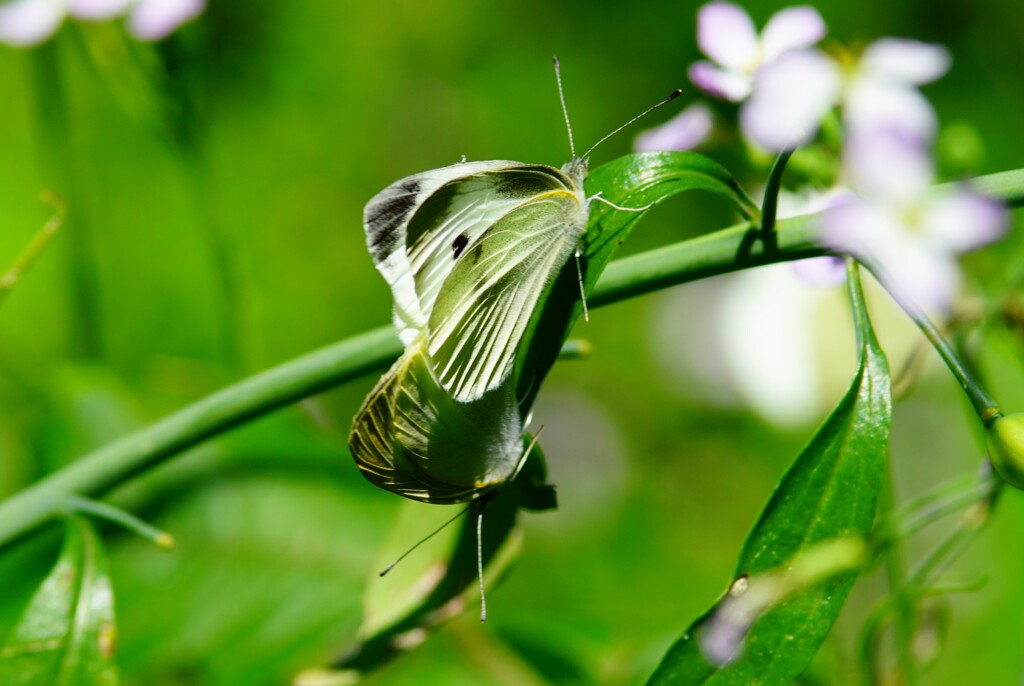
(486, 302)
(386, 221)
(411, 438)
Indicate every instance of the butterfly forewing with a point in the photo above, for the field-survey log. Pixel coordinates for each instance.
(386, 219)
(479, 318)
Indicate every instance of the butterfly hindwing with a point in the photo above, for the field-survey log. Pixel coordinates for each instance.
(412, 438)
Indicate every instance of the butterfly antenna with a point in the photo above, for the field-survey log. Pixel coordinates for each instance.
(422, 541)
(480, 564)
(565, 110)
(672, 96)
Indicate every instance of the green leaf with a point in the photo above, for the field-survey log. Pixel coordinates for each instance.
(66, 636)
(633, 181)
(439, 579)
(831, 491)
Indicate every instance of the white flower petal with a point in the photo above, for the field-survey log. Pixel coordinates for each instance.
(29, 22)
(155, 19)
(905, 61)
(961, 221)
(887, 167)
(766, 329)
(728, 85)
(96, 9)
(913, 268)
(857, 227)
(726, 34)
(789, 29)
(820, 271)
(873, 106)
(915, 275)
(685, 131)
(791, 96)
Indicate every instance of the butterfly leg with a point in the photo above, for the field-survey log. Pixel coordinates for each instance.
(609, 203)
(480, 563)
(583, 295)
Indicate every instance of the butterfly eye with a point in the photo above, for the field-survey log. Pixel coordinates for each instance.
(460, 243)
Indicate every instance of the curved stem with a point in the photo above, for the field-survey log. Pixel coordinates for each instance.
(92, 474)
(770, 204)
(984, 405)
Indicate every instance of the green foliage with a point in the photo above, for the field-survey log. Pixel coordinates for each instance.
(216, 184)
(66, 636)
(831, 491)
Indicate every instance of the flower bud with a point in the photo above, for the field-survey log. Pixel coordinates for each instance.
(1006, 448)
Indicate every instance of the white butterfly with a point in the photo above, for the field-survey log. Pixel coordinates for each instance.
(467, 251)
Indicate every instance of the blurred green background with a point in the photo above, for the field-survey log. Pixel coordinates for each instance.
(220, 179)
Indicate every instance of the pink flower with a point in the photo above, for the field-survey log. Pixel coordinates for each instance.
(726, 34)
(908, 233)
(792, 94)
(685, 131)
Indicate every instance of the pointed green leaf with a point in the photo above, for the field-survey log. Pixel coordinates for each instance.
(439, 579)
(66, 635)
(634, 181)
(831, 491)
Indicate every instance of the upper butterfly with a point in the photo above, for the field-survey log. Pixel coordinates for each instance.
(467, 251)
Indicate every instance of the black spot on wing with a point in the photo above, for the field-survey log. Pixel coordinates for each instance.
(460, 243)
(385, 216)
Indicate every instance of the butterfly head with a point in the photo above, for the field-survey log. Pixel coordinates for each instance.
(576, 169)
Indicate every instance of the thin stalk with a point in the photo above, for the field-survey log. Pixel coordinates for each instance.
(54, 140)
(971, 524)
(115, 515)
(31, 252)
(770, 204)
(98, 471)
(984, 405)
(894, 559)
(928, 513)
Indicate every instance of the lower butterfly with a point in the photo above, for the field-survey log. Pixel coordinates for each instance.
(467, 251)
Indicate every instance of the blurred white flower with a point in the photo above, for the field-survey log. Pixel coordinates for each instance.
(769, 341)
(24, 23)
(909, 233)
(791, 96)
(685, 131)
(881, 93)
(27, 22)
(726, 34)
(878, 93)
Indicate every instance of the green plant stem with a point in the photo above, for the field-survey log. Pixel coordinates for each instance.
(94, 508)
(255, 396)
(770, 204)
(717, 253)
(896, 575)
(28, 256)
(60, 174)
(984, 405)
